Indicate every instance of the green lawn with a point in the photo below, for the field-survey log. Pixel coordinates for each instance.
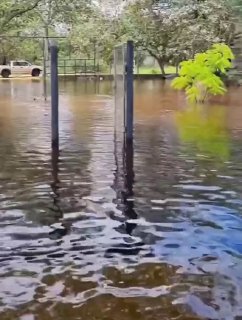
(150, 70)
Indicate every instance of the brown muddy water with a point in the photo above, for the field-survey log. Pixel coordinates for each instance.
(75, 246)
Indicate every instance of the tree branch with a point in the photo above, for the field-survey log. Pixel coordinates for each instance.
(18, 12)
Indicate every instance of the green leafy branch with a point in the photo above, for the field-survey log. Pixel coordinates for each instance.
(201, 76)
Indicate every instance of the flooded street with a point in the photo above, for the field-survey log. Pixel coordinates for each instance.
(73, 245)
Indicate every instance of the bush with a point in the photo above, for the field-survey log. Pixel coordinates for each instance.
(201, 76)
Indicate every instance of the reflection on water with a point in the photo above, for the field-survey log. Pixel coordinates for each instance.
(205, 127)
(157, 237)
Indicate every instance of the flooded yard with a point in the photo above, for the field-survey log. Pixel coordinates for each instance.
(75, 246)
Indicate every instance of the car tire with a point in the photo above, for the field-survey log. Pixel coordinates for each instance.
(5, 73)
(35, 73)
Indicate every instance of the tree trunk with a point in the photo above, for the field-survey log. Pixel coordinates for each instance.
(162, 67)
(137, 66)
(177, 68)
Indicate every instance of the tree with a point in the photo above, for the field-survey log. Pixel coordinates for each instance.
(10, 10)
(172, 31)
(14, 16)
(47, 10)
(40, 18)
(96, 32)
(236, 5)
(29, 49)
(54, 14)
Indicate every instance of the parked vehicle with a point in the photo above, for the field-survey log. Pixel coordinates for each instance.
(20, 67)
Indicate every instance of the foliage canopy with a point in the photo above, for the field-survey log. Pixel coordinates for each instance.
(171, 31)
(175, 31)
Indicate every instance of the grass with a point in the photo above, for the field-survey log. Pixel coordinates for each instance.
(150, 70)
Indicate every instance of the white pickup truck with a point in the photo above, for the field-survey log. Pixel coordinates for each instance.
(20, 67)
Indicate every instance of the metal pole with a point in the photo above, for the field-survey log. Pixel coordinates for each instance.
(54, 95)
(94, 62)
(44, 69)
(125, 63)
(46, 58)
(115, 89)
(129, 90)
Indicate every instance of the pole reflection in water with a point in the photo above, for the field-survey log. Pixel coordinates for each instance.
(124, 180)
(57, 211)
(128, 194)
(123, 186)
(55, 183)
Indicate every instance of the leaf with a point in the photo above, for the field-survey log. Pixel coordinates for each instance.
(179, 83)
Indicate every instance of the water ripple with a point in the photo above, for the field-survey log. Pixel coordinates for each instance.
(82, 239)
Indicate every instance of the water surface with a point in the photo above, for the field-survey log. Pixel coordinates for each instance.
(81, 239)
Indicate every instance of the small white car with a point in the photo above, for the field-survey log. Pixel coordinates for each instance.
(20, 67)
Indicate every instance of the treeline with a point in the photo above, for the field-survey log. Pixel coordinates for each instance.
(170, 31)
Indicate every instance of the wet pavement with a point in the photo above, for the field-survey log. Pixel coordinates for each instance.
(159, 238)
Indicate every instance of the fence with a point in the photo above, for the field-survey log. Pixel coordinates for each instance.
(75, 66)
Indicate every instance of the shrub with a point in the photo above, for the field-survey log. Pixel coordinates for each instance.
(201, 76)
